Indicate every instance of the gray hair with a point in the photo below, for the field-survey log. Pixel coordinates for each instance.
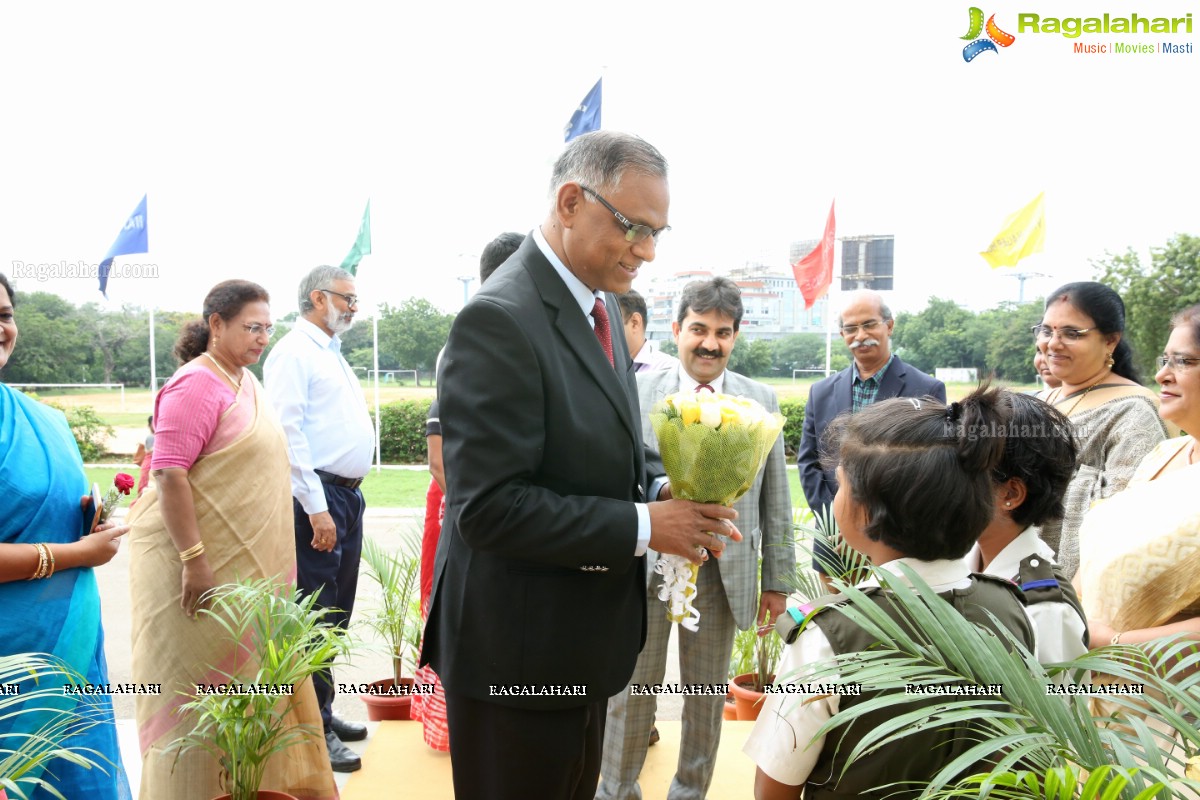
(599, 159)
(885, 313)
(718, 294)
(319, 278)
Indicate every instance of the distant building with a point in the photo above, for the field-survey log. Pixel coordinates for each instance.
(868, 262)
(774, 307)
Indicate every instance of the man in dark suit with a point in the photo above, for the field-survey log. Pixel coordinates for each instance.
(539, 601)
(866, 325)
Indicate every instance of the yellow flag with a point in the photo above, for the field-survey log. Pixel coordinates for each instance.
(1023, 234)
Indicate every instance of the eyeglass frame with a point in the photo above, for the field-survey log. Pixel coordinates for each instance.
(1177, 362)
(250, 329)
(631, 228)
(868, 326)
(1062, 333)
(351, 299)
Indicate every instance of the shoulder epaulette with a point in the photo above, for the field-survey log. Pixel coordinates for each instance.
(1038, 582)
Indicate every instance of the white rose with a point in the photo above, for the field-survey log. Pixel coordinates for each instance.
(710, 414)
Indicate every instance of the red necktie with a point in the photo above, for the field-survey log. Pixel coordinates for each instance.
(702, 386)
(603, 333)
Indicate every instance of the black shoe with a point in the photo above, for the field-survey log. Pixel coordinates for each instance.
(341, 758)
(348, 731)
(653, 734)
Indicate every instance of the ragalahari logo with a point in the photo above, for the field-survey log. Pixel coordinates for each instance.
(994, 37)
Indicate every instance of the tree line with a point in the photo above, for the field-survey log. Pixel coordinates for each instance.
(62, 343)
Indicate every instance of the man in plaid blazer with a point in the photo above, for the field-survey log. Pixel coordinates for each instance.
(728, 593)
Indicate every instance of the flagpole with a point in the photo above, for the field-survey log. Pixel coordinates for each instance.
(378, 416)
(153, 374)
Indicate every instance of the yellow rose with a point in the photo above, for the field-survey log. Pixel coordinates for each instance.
(1193, 768)
(689, 410)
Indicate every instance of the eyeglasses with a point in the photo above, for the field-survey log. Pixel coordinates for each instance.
(633, 231)
(351, 299)
(868, 326)
(1177, 362)
(1044, 333)
(254, 329)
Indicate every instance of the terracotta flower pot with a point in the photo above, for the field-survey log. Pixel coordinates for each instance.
(749, 701)
(266, 794)
(388, 706)
(730, 711)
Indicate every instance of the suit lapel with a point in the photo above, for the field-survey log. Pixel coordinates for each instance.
(893, 380)
(580, 338)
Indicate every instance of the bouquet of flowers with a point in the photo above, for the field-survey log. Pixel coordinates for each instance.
(712, 446)
(122, 484)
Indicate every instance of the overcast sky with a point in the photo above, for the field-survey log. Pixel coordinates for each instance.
(259, 131)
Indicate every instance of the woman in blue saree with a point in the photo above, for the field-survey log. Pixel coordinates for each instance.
(49, 602)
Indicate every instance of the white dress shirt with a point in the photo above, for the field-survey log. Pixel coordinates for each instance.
(586, 299)
(651, 359)
(781, 742)
(322, 409)
(1060, 629)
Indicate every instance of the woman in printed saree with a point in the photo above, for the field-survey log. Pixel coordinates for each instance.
(1115, 418)
(1140, 571)
(219, 510)
(48, 591)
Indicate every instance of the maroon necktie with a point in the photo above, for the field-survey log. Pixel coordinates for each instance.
(702, 386)
(603, 333)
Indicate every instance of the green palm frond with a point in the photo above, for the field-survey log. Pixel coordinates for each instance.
(42, 722)
(280, 638)
(1026, 730)
(398, 617)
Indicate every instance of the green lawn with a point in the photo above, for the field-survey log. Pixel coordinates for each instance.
(397, 488)
(390, 488)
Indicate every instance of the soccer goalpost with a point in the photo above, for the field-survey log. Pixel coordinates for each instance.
(120, 386)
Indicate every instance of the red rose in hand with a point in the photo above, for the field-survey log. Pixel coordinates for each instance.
(124, 482)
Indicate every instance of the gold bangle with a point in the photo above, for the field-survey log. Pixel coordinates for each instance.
(49, 553)
(1116, 639)
(195, 551)
(41, 566)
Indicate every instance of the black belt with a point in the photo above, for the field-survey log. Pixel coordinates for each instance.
(338, 480)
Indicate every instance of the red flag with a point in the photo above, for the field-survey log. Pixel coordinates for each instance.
(814, 272)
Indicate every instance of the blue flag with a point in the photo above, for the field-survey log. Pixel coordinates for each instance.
(131, 239)
(587, 117)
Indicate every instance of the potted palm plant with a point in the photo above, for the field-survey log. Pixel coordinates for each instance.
(398, 620)
(1028, 741)
(281, 639)
(47, 725)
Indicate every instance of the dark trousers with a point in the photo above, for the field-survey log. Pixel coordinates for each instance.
(503, 753)
(333, 576)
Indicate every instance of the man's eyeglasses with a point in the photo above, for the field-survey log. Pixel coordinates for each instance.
(868, 326)
(634, 232)
(1177, 362)
(1044, 333)
(351, 299)
(254, 329)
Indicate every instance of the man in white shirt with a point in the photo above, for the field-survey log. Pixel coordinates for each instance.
(646, 357)
(331, 440)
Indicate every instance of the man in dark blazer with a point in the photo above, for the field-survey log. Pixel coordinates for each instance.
(538, 609)
(866, 325)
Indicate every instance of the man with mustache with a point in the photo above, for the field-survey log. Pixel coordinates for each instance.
(331, 440)
(728, 594)
(866, 325)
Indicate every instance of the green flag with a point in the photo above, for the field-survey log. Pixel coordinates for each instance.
(362, 245)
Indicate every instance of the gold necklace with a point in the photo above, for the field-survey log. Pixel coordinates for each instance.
(228, 377)
(1085, 394)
